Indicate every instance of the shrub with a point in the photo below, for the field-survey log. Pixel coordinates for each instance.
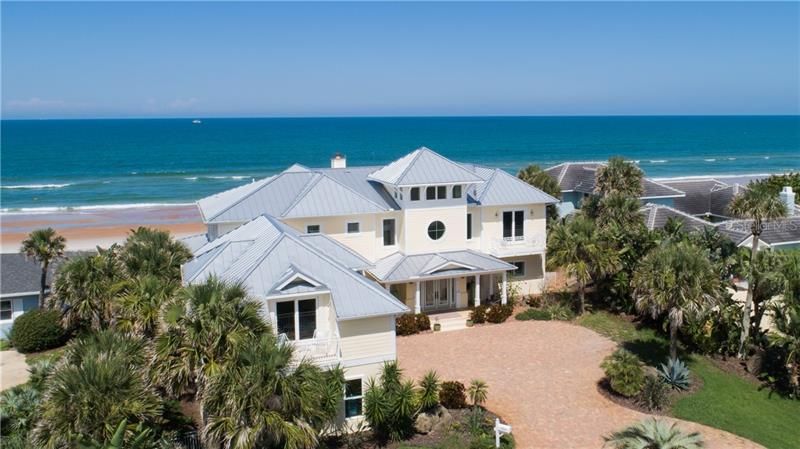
(407, 324)
(675, 373)
(423, 322)
(390, 404)
(429, 390)
(37, 330)
(654, 393)
(534, 314)
(478, 314)
(560, 311)
(451, 394)
(498, 313)
(624, 372)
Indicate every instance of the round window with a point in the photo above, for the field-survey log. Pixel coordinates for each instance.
(436, 230)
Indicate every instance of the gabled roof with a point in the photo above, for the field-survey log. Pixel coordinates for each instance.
(500, 188)
(265, 255)
(401, 267)
(656, 216)
(423, 167)
(19, 274)
(580, 177)
(774, 233)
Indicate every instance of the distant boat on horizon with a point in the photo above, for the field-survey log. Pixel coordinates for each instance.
(196, 122)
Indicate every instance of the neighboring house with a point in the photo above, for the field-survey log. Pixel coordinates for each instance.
(780, 234)
(706, 197)
(577, 181)
(19, 289)
(656, 216)
(337, 253)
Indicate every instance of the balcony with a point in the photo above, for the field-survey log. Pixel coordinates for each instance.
(517, 245)
(321, 350)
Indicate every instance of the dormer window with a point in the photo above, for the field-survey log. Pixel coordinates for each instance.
(415, 194)
(456, 192)
(430, 193)
(441, 192)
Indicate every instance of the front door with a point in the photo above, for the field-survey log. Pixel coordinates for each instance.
(437, 294)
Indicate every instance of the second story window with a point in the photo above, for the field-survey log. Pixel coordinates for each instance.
(469, 226)
(441, 192)
(514, 225)
(312, 229)
(430, 193)
(436, 230)
(415, 194)
(388, 232)
(456, 191)
(353, 227)
(297, 319)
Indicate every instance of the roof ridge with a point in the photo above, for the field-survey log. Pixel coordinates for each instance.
(644, 178)
(262, 256)
(269, 180)
(488, 184)
(302, 194)
(410, 163)
(655, 207)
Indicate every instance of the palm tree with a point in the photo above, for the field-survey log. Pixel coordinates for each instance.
(767, 279)
(654, 434)
(619, 176)
(85, 287)
(791, 277)
(577, 247)
(205, 327)
(101, 381)
(139, 307)
(786, 318)
(618, 209)
(142, 439)
(390, 404)
(758, 204)
(262, 400)
(477, 392)
(154, 252)
(535, 176)
(429, 390)
(676, 279)
(44, 246)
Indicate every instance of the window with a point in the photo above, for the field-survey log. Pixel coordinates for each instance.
(436, 230)
(514, 225)
(388, 232)
(312, 229)
(6, 311)
(353, 228)
(441, 192)
(352, 398)
(520, 271)
(469, 226)
(297, 319)
(415, 194)
(456, 191)
(430, 193)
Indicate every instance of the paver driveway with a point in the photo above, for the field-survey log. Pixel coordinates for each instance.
(542, 379)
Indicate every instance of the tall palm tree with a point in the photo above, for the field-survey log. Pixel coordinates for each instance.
(85, 287)
(535, 176)
(654, 434)
(154, 252)
(262, 401)
(758, 204)
(139, 306)
(205, 327)
(578, 248)
(767, 279)
(619, 209)
(676, 279)
(619, 176)
(44, 246)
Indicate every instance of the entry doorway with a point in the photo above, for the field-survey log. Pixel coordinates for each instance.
(438, 294)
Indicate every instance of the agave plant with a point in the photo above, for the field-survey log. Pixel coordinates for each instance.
(675, 373)
(654, 434)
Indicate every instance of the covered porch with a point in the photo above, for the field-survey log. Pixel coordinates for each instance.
(438, 282)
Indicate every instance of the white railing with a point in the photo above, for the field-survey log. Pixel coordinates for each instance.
(518, 245)
(320, 350)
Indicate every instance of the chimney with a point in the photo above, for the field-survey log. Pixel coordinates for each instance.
(787, 196)
(338, 161)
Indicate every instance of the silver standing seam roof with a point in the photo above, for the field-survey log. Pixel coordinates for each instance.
(423, 167)
(400, 267)
(266, 256)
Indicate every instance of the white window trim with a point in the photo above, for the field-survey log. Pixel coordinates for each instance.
(296, 302)
(10, 309)
(514, 237)
(347, 226)
(344, 395)
(428, 234)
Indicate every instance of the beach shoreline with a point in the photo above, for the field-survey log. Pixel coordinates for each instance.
(85, 229)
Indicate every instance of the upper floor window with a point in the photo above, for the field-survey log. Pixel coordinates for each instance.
(354, 227)
(469, 226)
(430, 193)
(312, 229)
(456, 191)
(297, 319)
(415, 194)
(514, 225)
(388, 232)
(441, 192)
(436, 230)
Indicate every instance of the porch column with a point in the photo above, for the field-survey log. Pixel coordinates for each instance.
(477, 290)
(503, 295)
(417, 306)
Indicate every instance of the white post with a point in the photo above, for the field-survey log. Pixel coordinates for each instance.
(503, 295)
(477, 290)
(417, 306)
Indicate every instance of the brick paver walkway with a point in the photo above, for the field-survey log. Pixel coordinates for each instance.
(542, 379)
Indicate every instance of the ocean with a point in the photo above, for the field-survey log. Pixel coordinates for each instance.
(49, 165)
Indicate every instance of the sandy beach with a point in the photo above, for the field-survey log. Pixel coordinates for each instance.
(86, 229)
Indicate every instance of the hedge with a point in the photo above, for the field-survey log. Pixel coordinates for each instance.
(37, 330)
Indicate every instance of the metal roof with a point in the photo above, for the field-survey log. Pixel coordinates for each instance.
(401, 267)
(263, 253)
(656, 216)
(580, 177)
(424, 167)
(501, 188)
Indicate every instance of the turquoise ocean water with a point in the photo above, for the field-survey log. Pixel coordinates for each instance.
(49, 164)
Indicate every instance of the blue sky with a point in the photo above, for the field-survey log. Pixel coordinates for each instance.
(345, 59)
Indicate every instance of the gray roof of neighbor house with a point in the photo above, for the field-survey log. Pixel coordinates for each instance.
(580, 177)
(305, 192)
(401, 267)
(19, 274)
(656, 216)
(270, 258)
(423, 167)
(775, 232)
(704, 196)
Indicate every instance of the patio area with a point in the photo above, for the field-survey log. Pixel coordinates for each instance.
(542, 379)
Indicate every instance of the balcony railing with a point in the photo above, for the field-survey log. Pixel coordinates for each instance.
(517, 245)
(321, 350)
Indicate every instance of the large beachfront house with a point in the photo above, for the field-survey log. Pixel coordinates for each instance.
(337, 253)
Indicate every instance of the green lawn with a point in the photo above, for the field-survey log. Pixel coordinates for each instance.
(52, 354)
(726, 401)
